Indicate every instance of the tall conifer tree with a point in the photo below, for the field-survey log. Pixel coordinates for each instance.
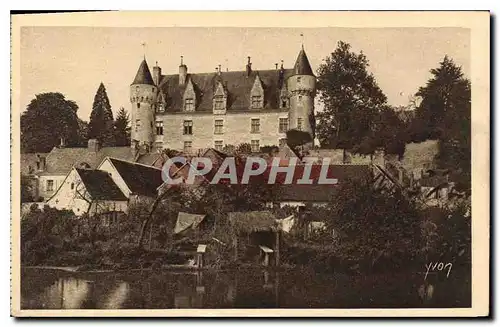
(101, 125)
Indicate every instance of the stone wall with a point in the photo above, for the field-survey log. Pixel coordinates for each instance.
(236, 130)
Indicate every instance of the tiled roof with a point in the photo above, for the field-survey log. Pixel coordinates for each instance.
(252, 221)
(143, 75)
(302, 66)
(29, 161)
(237, 83)
(100, 185)
(321, 192)
(61, 160)
(140, 179)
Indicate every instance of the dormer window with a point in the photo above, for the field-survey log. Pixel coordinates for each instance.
(219, 103)
(257, 94)
(256, 101)
(189, 104)
(160, 107)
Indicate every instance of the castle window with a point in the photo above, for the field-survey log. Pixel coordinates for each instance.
(255, 125)
(299, 124)
(300, 97)
(188, 146)
(219, 102)
(137, 124)
(72, 185)
(50, 185)
(283, 125)
(298, 79)
(159, 128)
(189, 104)
(188, 127)
(256, 101)
(255, 145)
(219, 126)
(218, 145)
(282, 142)
(138, 105)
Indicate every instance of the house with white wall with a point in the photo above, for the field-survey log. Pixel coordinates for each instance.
(89, 191)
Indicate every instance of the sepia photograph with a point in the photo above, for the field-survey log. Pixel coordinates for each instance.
(286, 165)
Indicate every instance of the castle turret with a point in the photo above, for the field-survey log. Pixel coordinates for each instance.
(143, 97)
(302, 89)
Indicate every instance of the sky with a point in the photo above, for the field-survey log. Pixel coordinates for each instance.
(75, 60)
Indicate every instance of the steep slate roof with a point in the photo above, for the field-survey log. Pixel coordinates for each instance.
(238, 85)
(100, 185)
(61, 160)
(143, 75)
(302, 66)
(140, 179)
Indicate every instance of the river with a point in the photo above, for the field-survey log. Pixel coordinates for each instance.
(53, 289)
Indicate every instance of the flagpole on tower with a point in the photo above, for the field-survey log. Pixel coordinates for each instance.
(302, 39)
(144, 49)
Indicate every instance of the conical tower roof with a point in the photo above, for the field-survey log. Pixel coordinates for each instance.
(143, 75)
(302, 66)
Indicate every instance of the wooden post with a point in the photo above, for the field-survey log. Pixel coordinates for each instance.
(235, 247)
(277, 255)
(150, 234)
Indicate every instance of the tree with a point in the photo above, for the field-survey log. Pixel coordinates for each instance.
(49, 118)
(27, 189)
(444, 114)
(101, 126)
(122, 128)
(83, 132)
(390, 133)
(375, 228)
(295, 138)
(351, 98)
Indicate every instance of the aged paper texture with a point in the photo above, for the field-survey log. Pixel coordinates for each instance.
(250, 164)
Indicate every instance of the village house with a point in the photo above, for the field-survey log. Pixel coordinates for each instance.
(112, 187)
(47, 171)
(89, 191)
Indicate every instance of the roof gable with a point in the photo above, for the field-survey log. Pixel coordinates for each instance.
(100, 186)
(140, 179)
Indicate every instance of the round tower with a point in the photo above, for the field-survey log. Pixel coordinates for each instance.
(302, 89)
(142, 97)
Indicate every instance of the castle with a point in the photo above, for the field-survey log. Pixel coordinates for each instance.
(188, 111)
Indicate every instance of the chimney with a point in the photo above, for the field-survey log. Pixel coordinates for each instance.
(249, 67)
(40, 162)
(93, 145)
(156, 74)
(182, 72)
(220, 71)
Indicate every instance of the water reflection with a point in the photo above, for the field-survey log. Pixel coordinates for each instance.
(249, 289)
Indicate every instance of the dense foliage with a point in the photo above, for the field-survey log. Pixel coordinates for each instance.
(101, 126)
(48, 119)
(122, 128)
